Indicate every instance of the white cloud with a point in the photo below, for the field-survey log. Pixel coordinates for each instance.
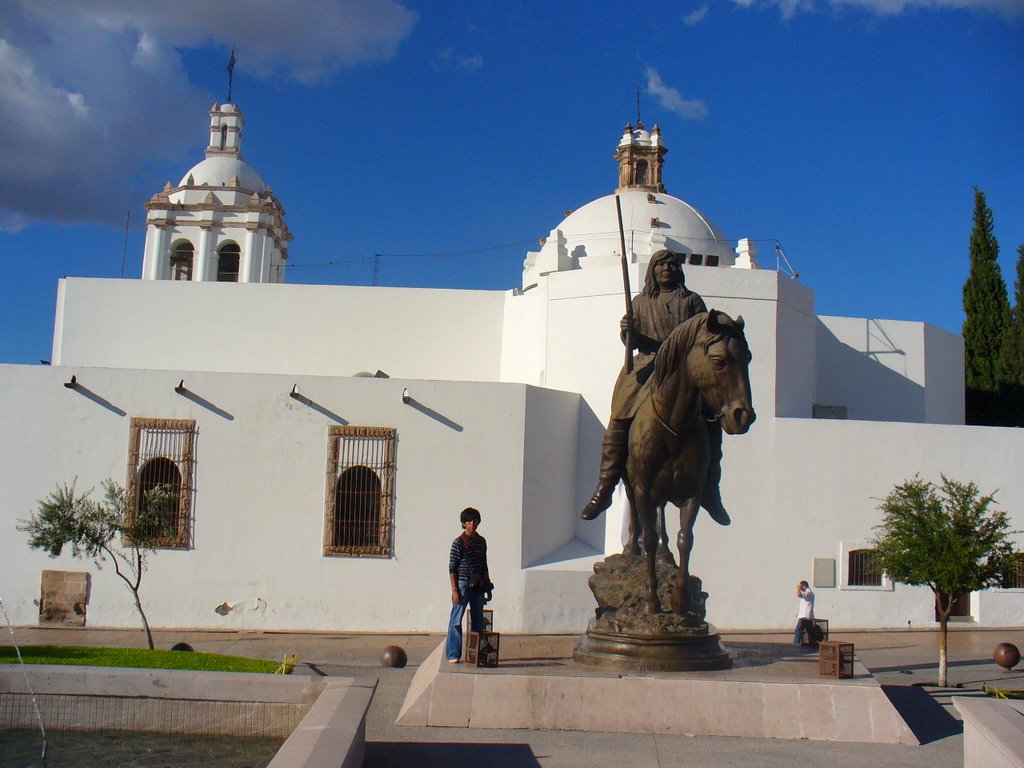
(447, 58)
(1008, 9)
(672, 100)
(80, 122)
(696, 16)
(471, 63)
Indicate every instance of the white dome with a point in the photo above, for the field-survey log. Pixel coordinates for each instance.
(594, 229)
(218, 171)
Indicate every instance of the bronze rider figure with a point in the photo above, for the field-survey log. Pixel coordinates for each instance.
(664, 303)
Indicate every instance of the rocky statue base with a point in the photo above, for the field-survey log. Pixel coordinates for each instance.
(624, 636)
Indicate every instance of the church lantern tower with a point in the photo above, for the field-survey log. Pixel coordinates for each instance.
(221, 223)
(640, 156)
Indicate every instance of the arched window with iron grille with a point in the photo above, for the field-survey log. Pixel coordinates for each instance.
(359, 515)
(158, 502)
(159, 483)
(357, 521)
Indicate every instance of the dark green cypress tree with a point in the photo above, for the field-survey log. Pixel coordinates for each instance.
(1011, 360)
(987, 310)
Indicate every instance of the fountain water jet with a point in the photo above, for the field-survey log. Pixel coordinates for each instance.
(32, 693)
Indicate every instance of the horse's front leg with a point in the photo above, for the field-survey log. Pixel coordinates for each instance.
(664, 553)
(647, 511)
(687, 517)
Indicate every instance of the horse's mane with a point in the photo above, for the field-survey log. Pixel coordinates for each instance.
(686, 334)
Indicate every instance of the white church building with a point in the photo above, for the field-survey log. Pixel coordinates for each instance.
(323, 440)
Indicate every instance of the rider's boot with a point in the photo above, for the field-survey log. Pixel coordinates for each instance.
(711, 496)
(613, 461)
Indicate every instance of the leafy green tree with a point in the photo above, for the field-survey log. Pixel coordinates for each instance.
(944, 537)
(1011, 359)
(104, 530)
(987, 311)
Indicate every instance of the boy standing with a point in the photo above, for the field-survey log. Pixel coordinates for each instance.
(470, 580)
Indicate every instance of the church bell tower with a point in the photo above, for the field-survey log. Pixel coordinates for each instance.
(221, 223)
(640, 158)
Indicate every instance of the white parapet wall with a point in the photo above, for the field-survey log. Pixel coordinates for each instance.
(993, 732)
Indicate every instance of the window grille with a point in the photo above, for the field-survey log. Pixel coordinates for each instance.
(227, 263)
(359, 492)
(159, 487)
(1014, 576)
(863, 569)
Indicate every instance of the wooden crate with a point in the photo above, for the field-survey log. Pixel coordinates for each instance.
(835, 659)
(488, 620)
(482, 648)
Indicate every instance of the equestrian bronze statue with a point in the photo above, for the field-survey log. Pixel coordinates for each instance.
(702, 366)
(688, 383)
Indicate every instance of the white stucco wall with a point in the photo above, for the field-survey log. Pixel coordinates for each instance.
(890, 370)
(259, 499)
(797, 489)
(944, 376)
(295, 329)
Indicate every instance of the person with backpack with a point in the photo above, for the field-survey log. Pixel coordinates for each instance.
(470, 580)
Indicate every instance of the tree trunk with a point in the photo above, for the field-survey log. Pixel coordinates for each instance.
(145, 623)
(133, 586)
(945, 608)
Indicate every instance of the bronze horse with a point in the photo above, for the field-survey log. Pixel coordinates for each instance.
(705, 357)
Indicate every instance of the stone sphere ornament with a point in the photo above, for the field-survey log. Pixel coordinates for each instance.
(1006, 655)
(394, 656)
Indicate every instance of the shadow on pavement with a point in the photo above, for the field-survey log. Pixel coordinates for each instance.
(923, 715)
(935, 665)
(385, 754)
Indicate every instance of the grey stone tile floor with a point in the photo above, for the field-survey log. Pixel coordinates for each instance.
(904, 662)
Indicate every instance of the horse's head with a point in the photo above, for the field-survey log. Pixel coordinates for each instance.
(718, 366)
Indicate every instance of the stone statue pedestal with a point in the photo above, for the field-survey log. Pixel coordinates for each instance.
(624, 636)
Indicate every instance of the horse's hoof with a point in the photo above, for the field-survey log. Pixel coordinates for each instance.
(631, 550)
(680, 605)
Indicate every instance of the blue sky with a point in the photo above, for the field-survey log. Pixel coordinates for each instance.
(450, 136)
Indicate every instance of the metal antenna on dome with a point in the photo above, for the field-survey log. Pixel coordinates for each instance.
(638, 101)
(231, 71)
